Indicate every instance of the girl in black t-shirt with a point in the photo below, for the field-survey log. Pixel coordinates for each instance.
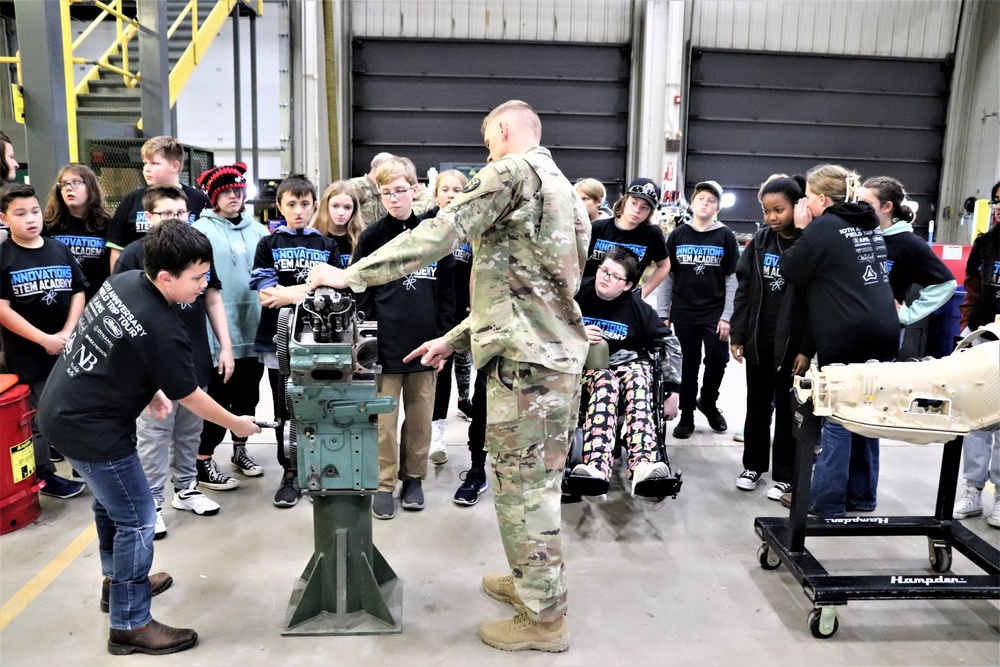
(75, 214)
(339, 216)
(632, 228)
(759, 334)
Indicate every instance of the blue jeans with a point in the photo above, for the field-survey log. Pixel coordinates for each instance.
(125, 516)
(846, 472)
(981, 458)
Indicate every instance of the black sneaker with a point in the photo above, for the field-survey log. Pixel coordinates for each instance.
(714, 416)
(412, 495)
(747, 481)
(210, 477)
(473, 485)
(55, 456)
(383, 505)
(465, 408)
(59, 487)
(288, 493)
(685, 427)
(243, 463)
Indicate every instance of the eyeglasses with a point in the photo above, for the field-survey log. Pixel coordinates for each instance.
(614, 279)
(171, 215)
(394, 193)
(70, 185)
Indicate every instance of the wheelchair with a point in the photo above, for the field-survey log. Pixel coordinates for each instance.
(655, 489)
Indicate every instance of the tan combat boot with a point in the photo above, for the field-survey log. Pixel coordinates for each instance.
(501, 587)
(522, 634)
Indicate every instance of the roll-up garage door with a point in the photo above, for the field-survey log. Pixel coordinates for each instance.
(426, 99)
(753, 114)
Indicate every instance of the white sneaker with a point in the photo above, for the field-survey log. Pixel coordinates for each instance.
(584, 470)
(738, 436)
(193, 500)
(439, 453)
(779, 489)
(647, 470)
(994, 518)
(969, 504)
(160, 531)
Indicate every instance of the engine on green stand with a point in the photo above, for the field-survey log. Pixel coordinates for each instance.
(329, 357)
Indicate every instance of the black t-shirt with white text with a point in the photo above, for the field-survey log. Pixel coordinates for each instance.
(646, 241)
(286, 256)
(39, 283)
(193, 315)
(626, 322)
(128, 344)
(987, 307)
(89, 248)
(773, 290)
(700, 261)
(129, 222)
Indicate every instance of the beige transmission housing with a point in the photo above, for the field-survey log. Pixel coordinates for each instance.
(918, 402)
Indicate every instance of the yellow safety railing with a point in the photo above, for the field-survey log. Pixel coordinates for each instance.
(126, 29)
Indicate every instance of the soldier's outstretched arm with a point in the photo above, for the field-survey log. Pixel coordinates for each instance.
(432, 353)
(485, 200)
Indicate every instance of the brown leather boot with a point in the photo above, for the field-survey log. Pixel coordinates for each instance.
(154, 639)
(158, 582)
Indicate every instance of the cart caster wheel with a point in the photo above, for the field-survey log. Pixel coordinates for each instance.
(940, 557)
(823, 622)
(767, 558)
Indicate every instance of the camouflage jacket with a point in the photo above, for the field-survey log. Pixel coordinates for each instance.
(372, 209)
(529, 234)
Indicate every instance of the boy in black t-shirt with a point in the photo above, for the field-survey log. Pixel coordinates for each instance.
(41, 298)
(171, 444)
(162, 160)
(697, 299)
(280, 266)
(408, 311)
(129, 351)
(624, 391)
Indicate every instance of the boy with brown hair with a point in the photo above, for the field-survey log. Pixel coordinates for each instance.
(408, 311)
(162, 161)
(41, 298)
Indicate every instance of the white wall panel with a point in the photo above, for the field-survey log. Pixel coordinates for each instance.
(897, 28)
(594, 21)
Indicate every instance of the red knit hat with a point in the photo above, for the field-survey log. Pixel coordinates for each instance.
(226, 177)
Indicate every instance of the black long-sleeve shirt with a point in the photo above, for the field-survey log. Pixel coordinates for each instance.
(411, 310)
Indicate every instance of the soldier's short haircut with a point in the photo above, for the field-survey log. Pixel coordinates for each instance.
(169, 147)
(626, 258)
(523, 112)
(394, 168)
(157, 192)
(380, 158)
(173, 246)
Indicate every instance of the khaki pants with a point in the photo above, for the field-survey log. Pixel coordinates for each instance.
(406, 456)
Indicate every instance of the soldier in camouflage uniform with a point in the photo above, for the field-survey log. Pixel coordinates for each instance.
(530, 234)
(372, 209)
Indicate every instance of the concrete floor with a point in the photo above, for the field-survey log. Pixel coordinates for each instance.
(675, 583)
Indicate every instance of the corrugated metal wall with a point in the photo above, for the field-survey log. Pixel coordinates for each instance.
(899, 28)
(590, 21)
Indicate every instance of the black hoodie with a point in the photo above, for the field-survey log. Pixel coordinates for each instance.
(841, 262)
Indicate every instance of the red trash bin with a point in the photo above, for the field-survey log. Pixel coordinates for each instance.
(18, 484)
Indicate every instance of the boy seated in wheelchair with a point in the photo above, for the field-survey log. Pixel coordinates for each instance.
(624, 392)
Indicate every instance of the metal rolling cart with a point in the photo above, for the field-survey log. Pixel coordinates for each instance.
(784, 542)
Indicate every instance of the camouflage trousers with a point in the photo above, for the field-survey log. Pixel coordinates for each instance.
(531, 411)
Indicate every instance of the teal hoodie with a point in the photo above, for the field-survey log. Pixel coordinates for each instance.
(233, 248)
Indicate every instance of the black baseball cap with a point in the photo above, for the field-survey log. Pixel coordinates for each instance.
(645, 189)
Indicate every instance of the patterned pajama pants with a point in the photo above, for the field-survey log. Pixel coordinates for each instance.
(605, 389)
